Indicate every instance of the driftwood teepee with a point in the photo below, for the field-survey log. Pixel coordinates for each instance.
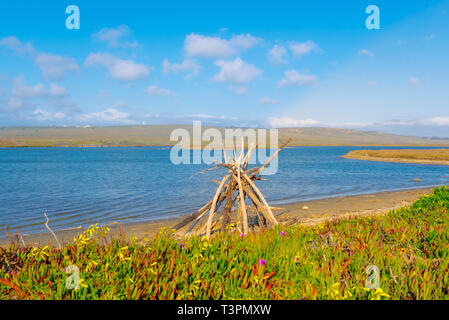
(234, 189)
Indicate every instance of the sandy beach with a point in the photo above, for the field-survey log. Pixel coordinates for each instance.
(420, 161)
(303, 212)
(433, 156)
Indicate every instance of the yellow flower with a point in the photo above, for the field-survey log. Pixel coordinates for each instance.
(122, 256)
(334, 291)
(379, 293)
(347, 295)
(82, 284)
(366, 289)
(91, 265)
(40, 252)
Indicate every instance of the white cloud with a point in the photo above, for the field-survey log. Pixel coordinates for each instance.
(414, 82)
(437, 121)
(301, 48)
(401, 122)
(240, 90)
(20, 90)
(25, 96)
(212, 119)
(276, 54)
(108, 115)
(366, 52)
(279, 122)
(27, 92)
(185, 66)
(371, 83)
(15, 44)
(293, 77)
(209, 47)
(290, 122)
(15, 104)
(120, 104)
(266, 100)
(43, 115)
(114, 36)
(158, 91)
(55, 67)
(216, 47)
(57, 91)
(244, 41)
(414, 122)
(236, 71)
(123, 70)
(205, 116)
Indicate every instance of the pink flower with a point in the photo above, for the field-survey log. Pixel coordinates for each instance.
(262, 262)
(282, 233)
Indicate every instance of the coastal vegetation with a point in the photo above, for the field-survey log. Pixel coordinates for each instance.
(332, 260)
(431, 156)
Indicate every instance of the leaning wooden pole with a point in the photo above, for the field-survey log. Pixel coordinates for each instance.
(233, 189)
(214, 202)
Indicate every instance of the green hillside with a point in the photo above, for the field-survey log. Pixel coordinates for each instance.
(159, 135)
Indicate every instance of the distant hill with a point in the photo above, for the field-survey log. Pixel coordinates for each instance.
(339, 137)
(159, 135)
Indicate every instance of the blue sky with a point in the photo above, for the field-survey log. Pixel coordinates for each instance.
(242, 63)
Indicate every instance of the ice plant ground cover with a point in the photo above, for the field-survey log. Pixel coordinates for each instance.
(410, 246)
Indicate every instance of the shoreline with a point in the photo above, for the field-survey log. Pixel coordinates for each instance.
(397, 160)
(300, 212)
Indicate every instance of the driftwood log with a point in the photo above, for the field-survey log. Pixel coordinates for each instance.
(234, 189)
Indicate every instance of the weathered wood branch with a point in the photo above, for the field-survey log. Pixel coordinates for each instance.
(233, 192)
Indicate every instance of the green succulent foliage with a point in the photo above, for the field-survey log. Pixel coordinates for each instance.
(410, 247)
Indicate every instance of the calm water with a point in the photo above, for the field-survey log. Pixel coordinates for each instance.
(140, 183)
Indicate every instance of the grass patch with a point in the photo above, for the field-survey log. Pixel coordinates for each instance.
(410, 246)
